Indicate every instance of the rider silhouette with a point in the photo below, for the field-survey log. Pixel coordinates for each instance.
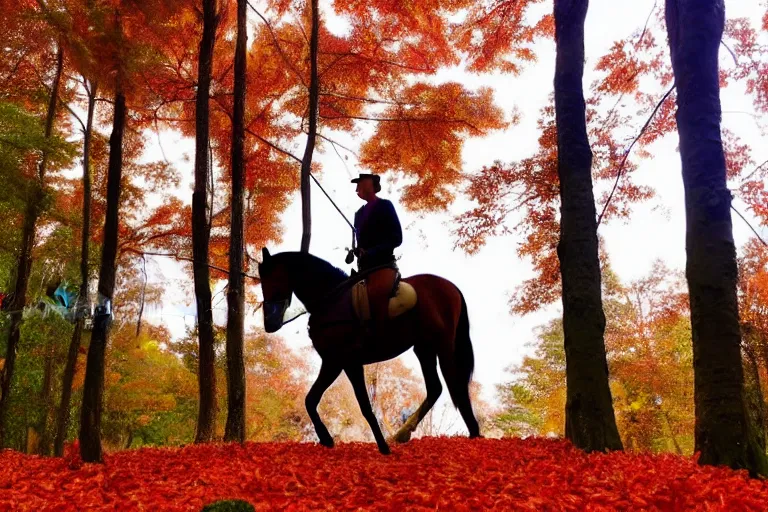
(378, 233)
(377, 225)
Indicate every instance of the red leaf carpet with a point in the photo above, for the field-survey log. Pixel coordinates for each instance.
(426, 474)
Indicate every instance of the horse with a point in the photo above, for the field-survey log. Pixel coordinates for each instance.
(437, 327)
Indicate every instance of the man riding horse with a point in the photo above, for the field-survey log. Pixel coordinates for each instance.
(378, 233)
(436, 324)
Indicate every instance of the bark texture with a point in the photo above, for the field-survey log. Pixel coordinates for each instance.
(306, 161)
(235, 428)
(590, 423)
(62, 418)
(201, 231)
(93, 389)
(722, 432)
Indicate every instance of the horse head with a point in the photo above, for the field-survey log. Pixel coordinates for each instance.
(277, 289)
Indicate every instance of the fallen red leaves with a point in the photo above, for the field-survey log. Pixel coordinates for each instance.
(426, 474)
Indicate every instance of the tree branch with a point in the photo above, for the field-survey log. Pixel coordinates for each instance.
(750, 226)
(629, 150)
(184, 258)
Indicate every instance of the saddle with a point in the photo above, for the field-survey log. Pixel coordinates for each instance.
(375, 284)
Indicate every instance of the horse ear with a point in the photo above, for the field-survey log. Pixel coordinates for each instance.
(265, 254)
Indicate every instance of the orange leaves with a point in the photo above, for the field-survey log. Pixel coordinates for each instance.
(496, 35)
(422, 137)
(414, 33)
(751, 66)
(753, 293)
(509, 474)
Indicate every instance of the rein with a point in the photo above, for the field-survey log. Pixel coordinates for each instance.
(339, 287)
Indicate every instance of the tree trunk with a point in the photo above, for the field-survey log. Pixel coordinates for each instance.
(24, 266)
(93, 389)
(722, 434)
(201, 233)
(753, 395)
(62, 419)
(306, 162)
(46, 404)
(590, 423)
(235, 428)
(672, 435)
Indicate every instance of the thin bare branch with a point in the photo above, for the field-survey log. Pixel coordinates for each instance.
(629, 150)
(183, 258)
(750, 226)
(733, 54)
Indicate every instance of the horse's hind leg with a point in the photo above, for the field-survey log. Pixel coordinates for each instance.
(357, 378)
(428, 360)
(328, 374)
(459, 390)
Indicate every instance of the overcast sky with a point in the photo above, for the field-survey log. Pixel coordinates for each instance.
(656, 230)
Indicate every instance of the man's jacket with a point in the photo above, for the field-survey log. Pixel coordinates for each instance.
(378, 233)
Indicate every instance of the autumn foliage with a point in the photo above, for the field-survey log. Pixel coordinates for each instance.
(427, 474)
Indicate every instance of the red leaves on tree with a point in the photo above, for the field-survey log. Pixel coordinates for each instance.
(496, 35)
(426, 474)
(423, 136)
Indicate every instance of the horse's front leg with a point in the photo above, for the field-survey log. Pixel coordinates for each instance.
(328, 374)
(357, 378)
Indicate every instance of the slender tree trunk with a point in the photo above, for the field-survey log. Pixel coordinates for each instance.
(590, 423)
(235, 428)
(754, 399)
(201, 233)
(24, 265)
(678, 450)
(62, 419)
(93, 389)
(306, 162)
(722, 433)
(46, 404)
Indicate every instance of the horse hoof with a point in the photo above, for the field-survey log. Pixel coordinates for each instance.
(328, 443)
(475, 436)
(402, 437)
(384, 449)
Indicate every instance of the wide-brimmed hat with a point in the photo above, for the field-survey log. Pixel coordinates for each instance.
(375, 177)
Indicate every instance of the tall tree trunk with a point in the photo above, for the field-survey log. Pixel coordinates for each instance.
(201, 233)
(24, 265)
(753, 395)
(722, 433)
(62, 418)
(306, 162)
(590, 423)
(93, 389)
(46, 404)
(235, 428)
(672, 435)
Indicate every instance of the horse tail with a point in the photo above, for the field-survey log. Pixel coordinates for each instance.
(464, 358)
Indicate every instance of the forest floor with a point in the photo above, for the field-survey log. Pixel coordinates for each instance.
(425, 474)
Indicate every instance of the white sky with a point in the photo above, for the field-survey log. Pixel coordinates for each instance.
(656, 230)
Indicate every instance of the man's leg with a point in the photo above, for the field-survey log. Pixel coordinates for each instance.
(380, 285)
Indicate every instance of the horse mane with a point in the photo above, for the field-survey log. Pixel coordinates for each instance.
(313, 268)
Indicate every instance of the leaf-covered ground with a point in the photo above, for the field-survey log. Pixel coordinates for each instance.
(426, 474)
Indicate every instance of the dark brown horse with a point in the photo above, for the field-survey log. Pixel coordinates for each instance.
(437, 327)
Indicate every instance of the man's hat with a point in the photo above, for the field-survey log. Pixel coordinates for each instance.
(375, 177)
